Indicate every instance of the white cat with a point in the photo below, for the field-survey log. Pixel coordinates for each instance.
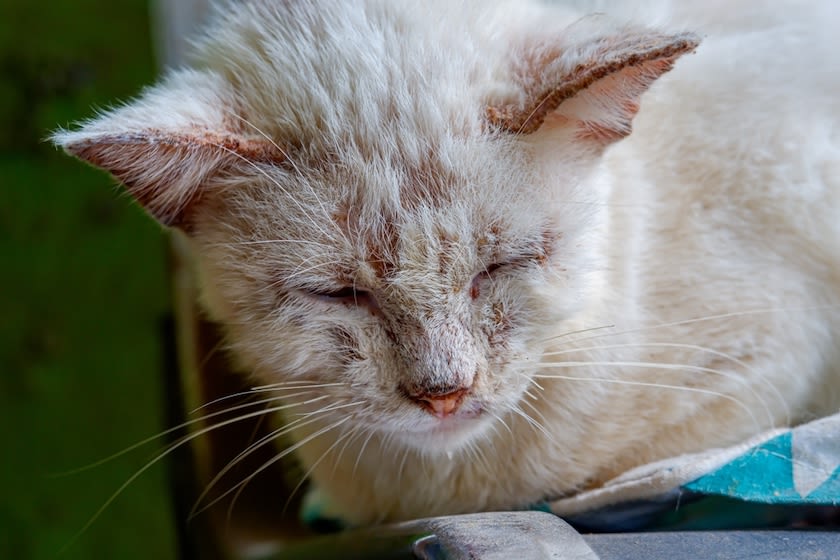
(430, 226)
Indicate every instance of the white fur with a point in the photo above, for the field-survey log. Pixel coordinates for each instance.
(708, 241)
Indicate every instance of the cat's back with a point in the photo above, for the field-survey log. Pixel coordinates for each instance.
(734, 161)
(744, 135)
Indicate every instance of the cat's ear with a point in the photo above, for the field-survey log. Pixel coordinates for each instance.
(587, 88)
(165, 146)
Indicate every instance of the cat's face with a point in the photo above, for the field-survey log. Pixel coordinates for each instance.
(414, 289)
(390, 207)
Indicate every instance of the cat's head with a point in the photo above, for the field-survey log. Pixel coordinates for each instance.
(385, 206)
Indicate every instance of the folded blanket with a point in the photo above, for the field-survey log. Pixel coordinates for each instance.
(769, 480)
(794, 466)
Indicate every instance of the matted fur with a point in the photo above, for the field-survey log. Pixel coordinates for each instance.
(420, 154)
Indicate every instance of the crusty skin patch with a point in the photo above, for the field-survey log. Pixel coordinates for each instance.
(644, 61)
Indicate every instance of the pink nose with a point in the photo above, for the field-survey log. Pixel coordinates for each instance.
(441, 405)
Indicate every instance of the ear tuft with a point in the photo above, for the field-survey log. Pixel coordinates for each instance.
(592, 87)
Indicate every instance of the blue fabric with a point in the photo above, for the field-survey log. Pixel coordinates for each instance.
(774, 479)
(765, 474)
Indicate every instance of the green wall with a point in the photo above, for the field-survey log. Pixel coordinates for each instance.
(83, 289)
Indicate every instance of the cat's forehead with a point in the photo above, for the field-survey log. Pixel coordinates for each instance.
(456, 189)
(356, 73)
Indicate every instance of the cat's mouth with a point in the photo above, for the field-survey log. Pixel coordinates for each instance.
(463, 417)
(447, 433)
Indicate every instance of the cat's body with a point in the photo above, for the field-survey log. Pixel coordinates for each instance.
(422, 213)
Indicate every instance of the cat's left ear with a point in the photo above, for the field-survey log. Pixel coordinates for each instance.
(167, 146)
(586, 87)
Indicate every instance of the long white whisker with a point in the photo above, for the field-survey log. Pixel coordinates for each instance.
(172, 447)
(534, 408)
(737, 378)
(357, 431)
(533, 423)
(245, 394)
(578, 331)
(239, 486)
(266, 439)
(668, 367)
(695, 320)
(654, 386)
(501, 421)
(314, 465)
(362, 451)
(402, 467)
(293, 385)
(159, 435)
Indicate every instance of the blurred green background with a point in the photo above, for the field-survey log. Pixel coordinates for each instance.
(83, 289)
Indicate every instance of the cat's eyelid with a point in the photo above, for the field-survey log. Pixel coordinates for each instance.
(490, 269)
(516, 261)
(345, 295)
(339, 293)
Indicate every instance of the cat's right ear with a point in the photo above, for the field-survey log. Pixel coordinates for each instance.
(167, 145)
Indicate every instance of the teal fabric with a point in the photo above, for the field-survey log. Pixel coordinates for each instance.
(766, 474)
(783, 477)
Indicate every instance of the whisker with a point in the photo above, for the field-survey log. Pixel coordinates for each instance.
(159, 435)
(172, 447)
(534, 408)
(537, 385)
(362, 451)
(296, 384)
(695, 320)
(314, 465)
(331, 408)
(245, 394)
(654, 386)
(239, 486)
(740, 380)
(578, 331)
(357, 431)
(668, 367)
(501, 421)
(210, 353)
(533, 423)
(402, 467)
(304, 420)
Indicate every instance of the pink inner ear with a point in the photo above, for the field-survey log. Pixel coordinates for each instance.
(164, 171)
(603, 113)
(598, 95)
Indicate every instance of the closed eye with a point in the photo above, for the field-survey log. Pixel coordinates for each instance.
(475, 285)
(494, 267)
(347, 292)
(347, 295)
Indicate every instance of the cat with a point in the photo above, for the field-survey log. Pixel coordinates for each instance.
(484, 254)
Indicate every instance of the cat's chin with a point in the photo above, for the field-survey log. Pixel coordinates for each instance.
(445, 436)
